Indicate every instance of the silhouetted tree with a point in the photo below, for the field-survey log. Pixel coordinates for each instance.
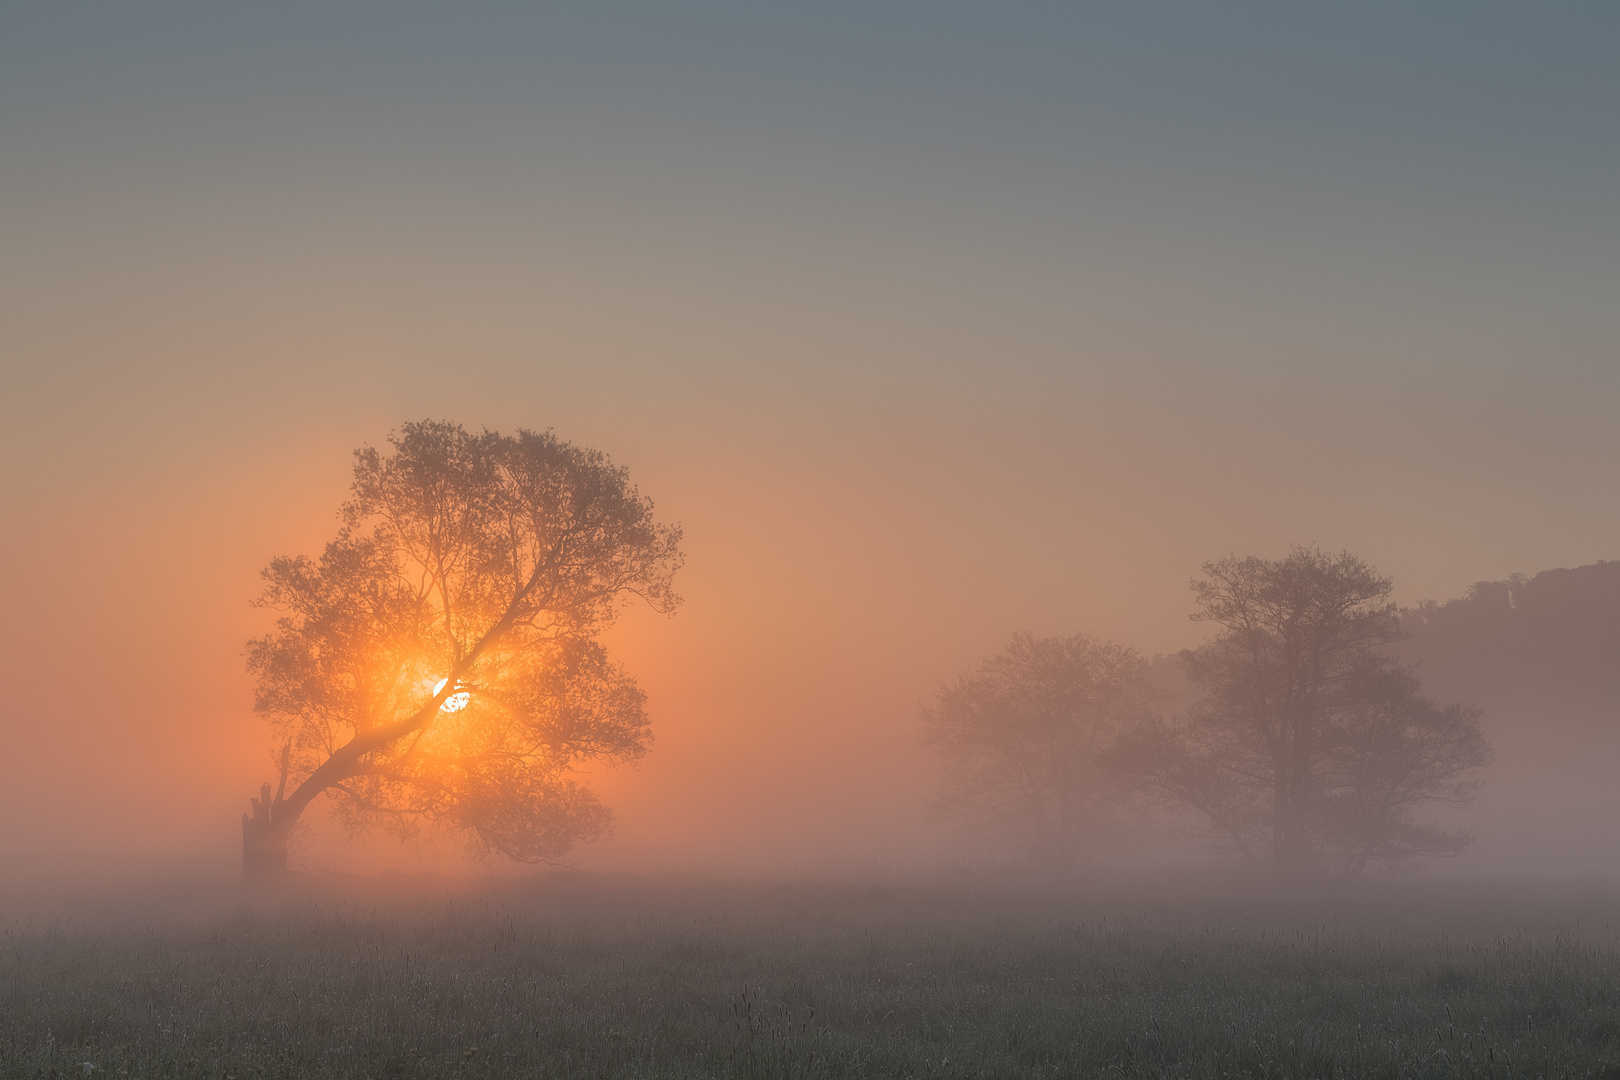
(1306, 741)
(436, 666)
(1019, 741)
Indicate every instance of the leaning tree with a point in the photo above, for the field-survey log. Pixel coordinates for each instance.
(437, 666)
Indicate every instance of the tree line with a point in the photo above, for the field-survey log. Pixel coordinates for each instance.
(1305, 740)
(437, 667)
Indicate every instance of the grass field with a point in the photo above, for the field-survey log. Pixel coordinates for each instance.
(573, 975)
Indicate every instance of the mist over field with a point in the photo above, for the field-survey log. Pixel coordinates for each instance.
(1105, 553)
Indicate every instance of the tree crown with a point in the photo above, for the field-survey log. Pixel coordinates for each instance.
(1020, 739)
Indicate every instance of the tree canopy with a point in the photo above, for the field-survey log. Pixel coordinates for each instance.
(1020, 740)
(1307, 740)
(436, 665)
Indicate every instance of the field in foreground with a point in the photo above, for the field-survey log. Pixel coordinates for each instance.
(596, 977)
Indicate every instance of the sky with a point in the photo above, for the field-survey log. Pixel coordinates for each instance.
(929, 323)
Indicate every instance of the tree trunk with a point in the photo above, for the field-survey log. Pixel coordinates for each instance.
(264, 840)
(1291, 804)
(265, 833)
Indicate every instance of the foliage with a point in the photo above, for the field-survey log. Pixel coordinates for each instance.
(1307, 741)
(436, 665)
(1539, 649)
(1387, 753)
(1019, 741)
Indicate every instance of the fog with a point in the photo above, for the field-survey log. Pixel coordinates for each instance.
(927, 331)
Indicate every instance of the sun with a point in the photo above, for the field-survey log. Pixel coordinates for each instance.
(453, 703)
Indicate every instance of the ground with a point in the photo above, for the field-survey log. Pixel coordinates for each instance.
(577, 975)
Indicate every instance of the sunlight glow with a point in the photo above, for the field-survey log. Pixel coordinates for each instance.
(453, 703)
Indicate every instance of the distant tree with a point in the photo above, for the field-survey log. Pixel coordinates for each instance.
(1305, 741)
(436, 665)
(1019, 741)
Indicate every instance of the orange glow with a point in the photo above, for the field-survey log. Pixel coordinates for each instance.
(907, 396)
(453, 703)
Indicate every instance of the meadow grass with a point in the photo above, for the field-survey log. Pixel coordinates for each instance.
(580, 976)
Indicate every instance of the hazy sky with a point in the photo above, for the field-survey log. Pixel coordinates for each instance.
(929, 322)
